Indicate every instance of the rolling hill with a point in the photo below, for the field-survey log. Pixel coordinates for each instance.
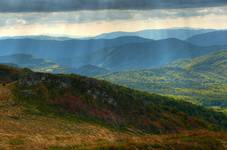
(210, 38)
(42, 65)
(29, 61)
(201, 80)
(60, 111)
(108, 103)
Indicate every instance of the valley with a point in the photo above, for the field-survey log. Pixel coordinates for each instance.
(200, 80)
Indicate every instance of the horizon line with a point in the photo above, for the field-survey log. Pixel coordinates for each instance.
(92, 36)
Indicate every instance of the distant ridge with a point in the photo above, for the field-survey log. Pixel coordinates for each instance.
(157, 34)
(210, 38)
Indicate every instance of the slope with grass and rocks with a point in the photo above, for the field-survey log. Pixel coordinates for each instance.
(49, 111)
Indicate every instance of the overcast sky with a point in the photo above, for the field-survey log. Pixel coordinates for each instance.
(92, 17)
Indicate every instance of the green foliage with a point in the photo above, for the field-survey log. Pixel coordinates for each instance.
(202, 80)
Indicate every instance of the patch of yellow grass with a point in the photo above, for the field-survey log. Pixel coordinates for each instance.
(5, 93)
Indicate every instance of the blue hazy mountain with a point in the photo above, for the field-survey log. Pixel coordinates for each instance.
(210, 38)
(157, 34)
(67, 52)
(123, 53)
(149, 54)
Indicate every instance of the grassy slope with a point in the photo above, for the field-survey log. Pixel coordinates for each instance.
(114, 105)
(24, 127)
(28, 119)
(201, 80)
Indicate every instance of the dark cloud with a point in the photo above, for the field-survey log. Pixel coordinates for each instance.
(73, 5)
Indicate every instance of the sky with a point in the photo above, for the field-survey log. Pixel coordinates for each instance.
(81, 18)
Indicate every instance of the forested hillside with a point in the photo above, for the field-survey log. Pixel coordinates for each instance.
(201, 80)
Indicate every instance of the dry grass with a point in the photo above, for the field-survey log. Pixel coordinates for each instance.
(21, 130)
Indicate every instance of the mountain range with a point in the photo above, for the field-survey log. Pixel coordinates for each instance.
(210, 38)
(69, 52)
(122, 53)
(150, 54)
